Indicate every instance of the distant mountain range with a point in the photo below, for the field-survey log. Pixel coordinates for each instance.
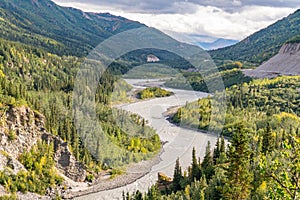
(60, 30)
(219, 43)
(264, 44)
(69, 31)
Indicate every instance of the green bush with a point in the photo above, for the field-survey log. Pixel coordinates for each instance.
(12, 135)
(90, 177)
(115, 172)
(9, 197)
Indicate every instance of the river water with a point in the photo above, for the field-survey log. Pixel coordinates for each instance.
(180, 141)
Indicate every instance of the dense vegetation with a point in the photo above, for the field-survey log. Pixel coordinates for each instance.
(150, 71)
(40, 173)
(262, 160)
(153, 92)
(229, 73)
(275, 101)
(43, 81)
(262, 119)
(38, 70)
(263, 44)
(295, 39)
(59, 30)
(253, 167)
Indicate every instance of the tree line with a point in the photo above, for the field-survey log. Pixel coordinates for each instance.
(43, 81)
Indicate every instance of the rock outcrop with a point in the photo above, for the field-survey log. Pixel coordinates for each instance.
(20, 129)
(66, 162)
(286, 62)
(152, 58)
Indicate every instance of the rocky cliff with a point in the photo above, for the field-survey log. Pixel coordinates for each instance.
(20, 129)
(286, 62)
(66, 162)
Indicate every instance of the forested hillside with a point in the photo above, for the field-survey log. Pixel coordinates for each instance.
(250, 52)
(255, 104)
(43, 81)
(41, 50)
(262, 160)
(59, 30)
(263, 44)
(42, 46)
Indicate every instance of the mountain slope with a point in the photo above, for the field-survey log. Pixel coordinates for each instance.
(286, 62)
(58, 29)
(263, 44)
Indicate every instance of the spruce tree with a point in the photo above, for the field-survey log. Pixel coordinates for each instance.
(268, 142)
(153, 193)
(138, 195)
(239, 177)
(216, 184)
(207, 164)
(195, 168)
(177, 178)
(197, 190)
(222, 147)
(216, 153)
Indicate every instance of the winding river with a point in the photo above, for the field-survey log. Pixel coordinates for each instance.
(180, 141)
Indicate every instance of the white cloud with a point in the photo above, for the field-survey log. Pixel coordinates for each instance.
(206, 21)
(202, 20)
(169, 6)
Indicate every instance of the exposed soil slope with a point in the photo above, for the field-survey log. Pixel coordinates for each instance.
(286, 62)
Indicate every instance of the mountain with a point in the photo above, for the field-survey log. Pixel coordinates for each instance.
(60, 30)
(219, 43)
(286, 62)
(37, 80)
(264, 44)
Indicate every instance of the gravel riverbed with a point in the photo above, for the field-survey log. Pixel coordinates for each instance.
(179, 143)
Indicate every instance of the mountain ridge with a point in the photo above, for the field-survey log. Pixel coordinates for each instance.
(263, 44)
(59, 30)
(219, 43)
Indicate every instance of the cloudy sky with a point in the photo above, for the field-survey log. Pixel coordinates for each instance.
(194, 19)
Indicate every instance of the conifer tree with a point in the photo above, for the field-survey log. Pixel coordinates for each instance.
(216, 153)
(177, 178)
(153, 193)
(195, 168)
(222, 147)
(239, 177)
(268, 142)
(207, 164)
(138, 195)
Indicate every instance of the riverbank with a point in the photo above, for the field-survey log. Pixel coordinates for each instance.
(133, 172)
(179, 142)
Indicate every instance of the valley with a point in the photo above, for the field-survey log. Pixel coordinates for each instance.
(97, 106)
(178, 141)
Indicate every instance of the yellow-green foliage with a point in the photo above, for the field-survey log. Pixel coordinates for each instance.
(274, 101)
(9, 197)
(153, 92)
(40, 175)
(115, 172)
(12, 135)
(45, 81)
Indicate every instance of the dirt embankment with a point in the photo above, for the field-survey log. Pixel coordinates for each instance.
(286, 62)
